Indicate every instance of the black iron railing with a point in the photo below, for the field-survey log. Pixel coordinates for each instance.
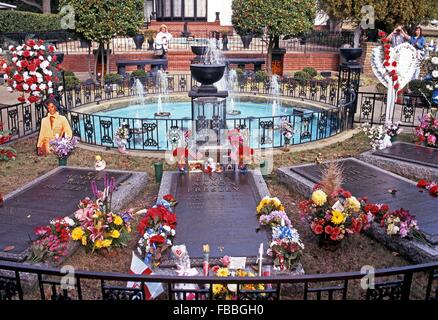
(419, 282)
(408, 109)
(70, 42)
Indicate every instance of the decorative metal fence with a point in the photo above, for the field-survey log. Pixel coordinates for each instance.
(416, 282)
(152, 133)
(69, 42)
(408, 109)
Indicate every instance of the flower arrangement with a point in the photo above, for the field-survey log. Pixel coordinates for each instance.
(275, 219)
(432, 187)
(389, 63)
(63, 147)
(287, 130)
(6, 153)
(52, 242)
(122, 135)
(427, 131)
(399, 222)
(97, 227)
(335, 216)
(393, 129)
(32, 71)
(430, 65)
(333, 213)
(229, 292)
(240, 151)
(157, 230)
(268, 205)
(285, 248)
(379, 139)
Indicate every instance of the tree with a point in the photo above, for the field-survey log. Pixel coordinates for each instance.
(273, 18)
(101, 20)
(388, 13)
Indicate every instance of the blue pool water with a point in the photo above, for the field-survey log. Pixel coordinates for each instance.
(152, 133)
(181, 110)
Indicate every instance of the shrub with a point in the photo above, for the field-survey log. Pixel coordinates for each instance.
(21, 21)
(150, 34)
(261, 76)
(240, 75)
(71, 81)
(139, 74)
(302, 76)
(417, 87)
(311, 71)
(113, 78)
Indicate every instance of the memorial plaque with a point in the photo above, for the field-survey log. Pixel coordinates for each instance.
(57, 195)
(411, 153)
(365, 180)
(219, 210)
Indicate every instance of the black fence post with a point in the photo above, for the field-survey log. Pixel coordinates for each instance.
(348, 88)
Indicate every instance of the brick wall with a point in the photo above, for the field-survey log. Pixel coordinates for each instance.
(180, 60)
(366, 57)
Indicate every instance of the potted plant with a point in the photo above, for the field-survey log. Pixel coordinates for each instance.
(63, 148)
(113, 79)
(246, 40)
(139, 74)
(150, 34)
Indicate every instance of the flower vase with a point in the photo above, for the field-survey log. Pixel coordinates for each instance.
(62, 162)
(394, 138)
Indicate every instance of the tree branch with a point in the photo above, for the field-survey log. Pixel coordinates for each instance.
(33, 4)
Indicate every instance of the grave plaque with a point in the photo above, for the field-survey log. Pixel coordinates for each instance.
(365, 180)
(56, 195)
(411, 153)
(219, 210)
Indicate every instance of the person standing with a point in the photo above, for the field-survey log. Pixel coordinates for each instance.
(162, 42)
(419, 43)
(396, 37)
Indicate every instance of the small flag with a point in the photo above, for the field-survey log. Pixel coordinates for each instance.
(152, 289)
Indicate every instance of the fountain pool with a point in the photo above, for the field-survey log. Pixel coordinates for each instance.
(156, 133)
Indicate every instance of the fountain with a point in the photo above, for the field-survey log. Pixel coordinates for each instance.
(232, 89)
(274, 92)
(162, 84)
(211, 71)
(138, 91)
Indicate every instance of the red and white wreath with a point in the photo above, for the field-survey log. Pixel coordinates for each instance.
(33, 71)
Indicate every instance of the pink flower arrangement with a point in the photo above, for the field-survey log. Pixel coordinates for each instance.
(52, 242)
(427, 131)
(32, 71)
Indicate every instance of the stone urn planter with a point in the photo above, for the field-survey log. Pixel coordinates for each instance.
(199, 50)
(151, 44)
(246, 40)
(138, 40)
(207, 75)
(351, 54)
(84, 43)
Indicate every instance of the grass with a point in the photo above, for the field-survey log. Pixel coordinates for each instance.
(356, 252)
